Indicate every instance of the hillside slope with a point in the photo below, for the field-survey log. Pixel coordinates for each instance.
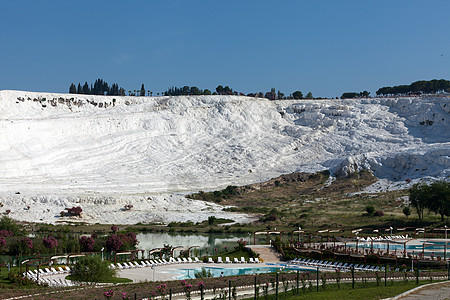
(60, 149)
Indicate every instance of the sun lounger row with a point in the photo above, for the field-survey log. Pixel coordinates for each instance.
(235, 260)
(383, 238)
(154, 262)
(159, 262)
(33, 274)
(336, 265)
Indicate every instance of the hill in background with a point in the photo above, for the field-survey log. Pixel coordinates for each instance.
(102, 152)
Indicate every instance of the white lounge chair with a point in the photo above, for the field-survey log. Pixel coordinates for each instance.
(243, 260)
(219, 260)
(250, 260)
(179, 260)
(61, 282)
(235, 260)
(190, 260)
(257, 260)
(48, 271)
(210, 260)
(67, 268)
(227, 260)
(196, 260)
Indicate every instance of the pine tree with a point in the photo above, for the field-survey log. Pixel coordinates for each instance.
(79, 90)
(72, 89)
(142, 93)
(86, 89)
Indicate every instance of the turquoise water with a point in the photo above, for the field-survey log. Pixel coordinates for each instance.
(436, 247)
(217, 271)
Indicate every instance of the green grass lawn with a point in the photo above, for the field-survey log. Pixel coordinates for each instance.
(368, 291)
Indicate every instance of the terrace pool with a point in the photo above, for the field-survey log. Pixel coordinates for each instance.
(414, 246)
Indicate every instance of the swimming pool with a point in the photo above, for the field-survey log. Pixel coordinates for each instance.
(435, 247)
(218, 271)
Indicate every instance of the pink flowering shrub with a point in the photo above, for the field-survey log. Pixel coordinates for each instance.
(2, 242)
(27, 243)
(113, 243)
(86, 243)
(114, 228)
(162, 290)
(6, 233)
(241, 244)
(129, 239)
(125, 296)
(108, 294)
(50, 242)
(74, 211)
(121, 241)
(187, 289)
(201, 285)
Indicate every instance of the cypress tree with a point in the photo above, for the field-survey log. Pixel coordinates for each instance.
(86, 89)
(72, 89)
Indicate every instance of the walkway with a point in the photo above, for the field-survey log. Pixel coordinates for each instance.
(266, 253)
(436, 291)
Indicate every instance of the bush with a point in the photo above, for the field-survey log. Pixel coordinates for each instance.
(241, 244)
(50, 242)
(370, 210)
(74, 211)
(114, 243)
(378, 213)
(8, 224)
(270, 216)
(86, 243)
(92, 269)
(407, 211)
(15, 277)
(121, 241)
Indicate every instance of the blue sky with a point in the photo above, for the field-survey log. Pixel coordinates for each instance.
(326, 47)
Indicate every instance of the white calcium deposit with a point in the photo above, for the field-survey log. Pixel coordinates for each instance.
(103, 152)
